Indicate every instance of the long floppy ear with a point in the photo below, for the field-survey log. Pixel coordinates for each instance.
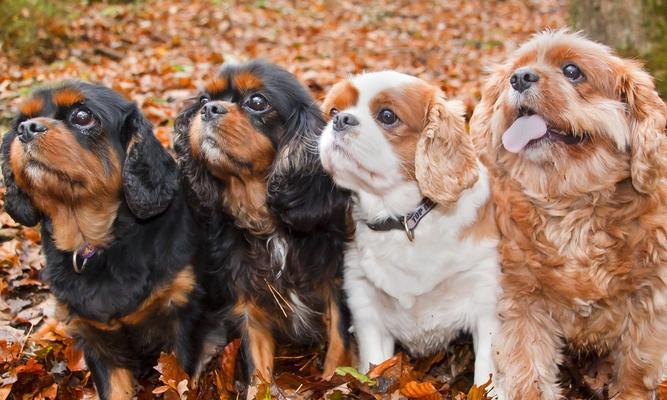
(150, 176)
(300, 193)
(480, 122)
(17, 202)
(445, 161)
(646, 114)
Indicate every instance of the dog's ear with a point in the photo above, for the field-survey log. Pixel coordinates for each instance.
(445, 161)
(646, 114)
(150, 176)
(17, 202)
(201, 188)
(300, 193)
(480, 122)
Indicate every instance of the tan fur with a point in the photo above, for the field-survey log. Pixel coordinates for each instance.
(246, 201)
(484, 227)
(121, 384)
(260, 340)
(80, 198)
(67, 97)
(216, 85)
(341, 96)
(337, 355)
(446, 161)
(32, 107)
(170, 295)
(411, 104)
(245, 159)
(247, 81)
(584, 244)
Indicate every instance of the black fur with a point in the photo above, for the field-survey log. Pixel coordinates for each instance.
(154, 238)
(309, 210)
(17, 204)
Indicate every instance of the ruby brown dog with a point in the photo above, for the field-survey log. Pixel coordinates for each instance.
(423, 266)
(118, 237)
(575, 139)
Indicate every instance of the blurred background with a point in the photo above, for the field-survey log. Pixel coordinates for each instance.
(159, 52)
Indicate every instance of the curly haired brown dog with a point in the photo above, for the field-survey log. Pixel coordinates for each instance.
(575, 136)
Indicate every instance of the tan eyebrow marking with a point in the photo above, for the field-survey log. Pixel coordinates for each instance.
(216, 85)
(67, 97)
(32, 107)
(247, 80)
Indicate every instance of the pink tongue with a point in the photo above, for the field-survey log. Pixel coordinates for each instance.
(522, 131)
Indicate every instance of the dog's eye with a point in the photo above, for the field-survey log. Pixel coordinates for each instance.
(333, 111)
(257, 103)
(82, 118)
(572, 72)
(387, 117)
(203, 100)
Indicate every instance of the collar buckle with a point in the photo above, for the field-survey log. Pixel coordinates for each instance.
(409, 232)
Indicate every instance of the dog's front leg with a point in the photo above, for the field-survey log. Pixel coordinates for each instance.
(639, 358)
(529, 353)
(485, 338)
(111, 383)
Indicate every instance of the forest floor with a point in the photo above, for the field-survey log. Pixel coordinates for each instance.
(158, 53)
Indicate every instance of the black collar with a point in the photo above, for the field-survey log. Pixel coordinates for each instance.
(408, 222)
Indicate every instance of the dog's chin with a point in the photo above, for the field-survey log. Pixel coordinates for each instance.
(39, 171)
(354, 175)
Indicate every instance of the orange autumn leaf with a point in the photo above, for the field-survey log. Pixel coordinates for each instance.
(228, 364)
(379, 369)
(414, 389)
(479, 393)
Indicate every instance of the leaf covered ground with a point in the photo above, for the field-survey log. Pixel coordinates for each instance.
(157, 53)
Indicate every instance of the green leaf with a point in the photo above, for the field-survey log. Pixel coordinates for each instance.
(342, 371)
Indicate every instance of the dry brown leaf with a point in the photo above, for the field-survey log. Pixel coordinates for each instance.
(414, 389)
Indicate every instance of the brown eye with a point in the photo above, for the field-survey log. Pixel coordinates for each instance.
(333, 111)
(203, 100)
(387, 117)
(82, 118)
(573, 73)
(257, 103)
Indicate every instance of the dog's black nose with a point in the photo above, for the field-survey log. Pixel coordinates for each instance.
(523, 78)
(212, 110)
(29, 129)
(344, 121)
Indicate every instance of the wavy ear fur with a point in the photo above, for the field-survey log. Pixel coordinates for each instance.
(647, 119)
(17, 202)
(480, 123)
(150, 176)
(445, 161)
(300, 193)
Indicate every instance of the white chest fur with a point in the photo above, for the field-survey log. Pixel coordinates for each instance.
(421, 293)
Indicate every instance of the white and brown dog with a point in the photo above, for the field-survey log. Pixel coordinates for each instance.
(423, 266)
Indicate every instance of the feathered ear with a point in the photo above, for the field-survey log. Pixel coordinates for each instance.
(17, 202)
(150, 177)
(646, 115)
(445, 161)
(201, 188)
(480, 123)
(300, 193)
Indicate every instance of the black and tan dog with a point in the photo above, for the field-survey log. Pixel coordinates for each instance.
(248, 148)
(118, 237)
